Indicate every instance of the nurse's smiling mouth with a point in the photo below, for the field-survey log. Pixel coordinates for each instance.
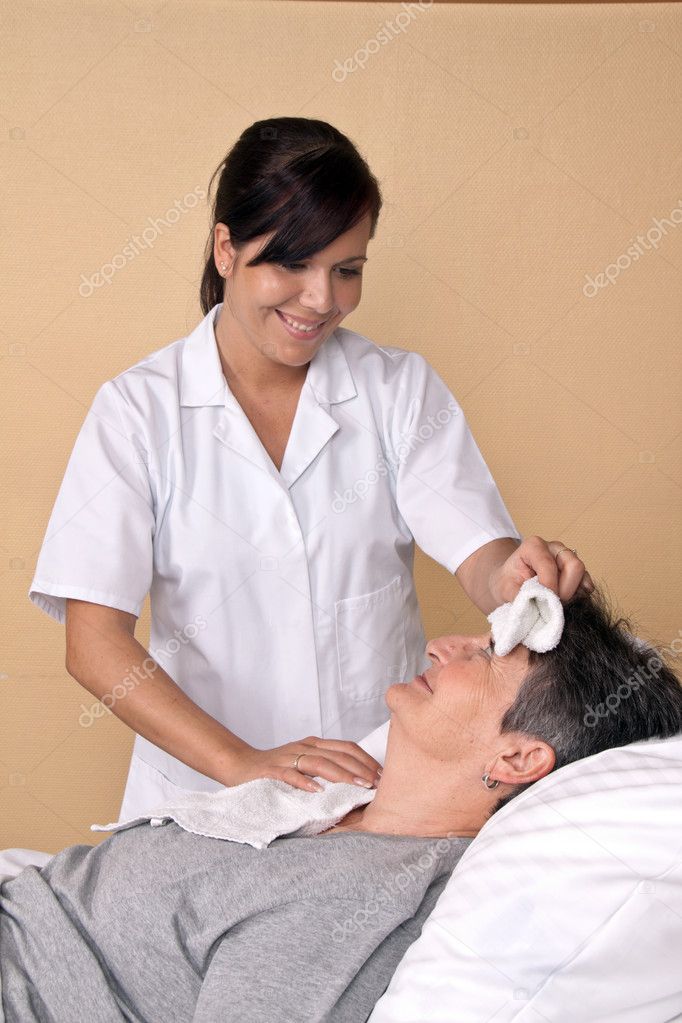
(300, 335)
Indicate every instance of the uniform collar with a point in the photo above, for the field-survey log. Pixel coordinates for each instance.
(203, 382)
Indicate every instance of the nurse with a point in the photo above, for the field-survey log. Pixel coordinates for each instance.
(264, 479)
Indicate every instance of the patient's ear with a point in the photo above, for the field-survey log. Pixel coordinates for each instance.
(522, 760)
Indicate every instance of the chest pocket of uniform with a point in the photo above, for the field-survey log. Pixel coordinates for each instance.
(370, 640)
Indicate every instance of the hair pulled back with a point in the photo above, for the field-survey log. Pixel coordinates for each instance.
(297, 176)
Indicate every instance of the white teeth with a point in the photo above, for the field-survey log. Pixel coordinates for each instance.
(301, 326)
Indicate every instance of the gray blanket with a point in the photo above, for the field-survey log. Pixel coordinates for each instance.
(158, 924)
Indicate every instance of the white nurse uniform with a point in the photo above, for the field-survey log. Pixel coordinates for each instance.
(282, 602)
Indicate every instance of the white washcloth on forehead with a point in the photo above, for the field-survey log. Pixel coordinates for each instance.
(535, 617)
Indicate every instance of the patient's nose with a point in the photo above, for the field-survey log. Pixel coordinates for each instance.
(443, 648)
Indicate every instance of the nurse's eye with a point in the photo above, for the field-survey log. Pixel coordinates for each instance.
(343, 271)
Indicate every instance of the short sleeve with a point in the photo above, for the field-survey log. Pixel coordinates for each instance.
(99, 540)
(444, 489)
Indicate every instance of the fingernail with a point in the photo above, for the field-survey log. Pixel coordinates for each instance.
(361, 781)
(315, 787)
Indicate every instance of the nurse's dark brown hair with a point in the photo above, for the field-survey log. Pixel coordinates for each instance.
(297, 176)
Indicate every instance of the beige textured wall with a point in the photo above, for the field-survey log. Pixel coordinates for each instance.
(519, 148)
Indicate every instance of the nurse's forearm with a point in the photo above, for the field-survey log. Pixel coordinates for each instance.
(116, 668)
(474, 573)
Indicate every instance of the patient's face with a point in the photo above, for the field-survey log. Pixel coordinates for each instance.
(471, 690)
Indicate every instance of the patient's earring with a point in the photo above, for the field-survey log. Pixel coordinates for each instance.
(485, 778)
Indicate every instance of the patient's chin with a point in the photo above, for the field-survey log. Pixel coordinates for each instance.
(392, 693)
(402, 699)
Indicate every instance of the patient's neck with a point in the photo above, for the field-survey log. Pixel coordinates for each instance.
(419, 795)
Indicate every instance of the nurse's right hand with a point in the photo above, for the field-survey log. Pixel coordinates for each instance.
(332, 759)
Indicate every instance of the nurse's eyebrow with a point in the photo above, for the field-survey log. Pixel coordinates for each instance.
(351, 259)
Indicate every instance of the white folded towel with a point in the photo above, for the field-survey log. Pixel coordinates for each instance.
(535, 617)
(256, 812)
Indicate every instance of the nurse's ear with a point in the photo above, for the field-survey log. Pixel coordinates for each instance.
(224, 252)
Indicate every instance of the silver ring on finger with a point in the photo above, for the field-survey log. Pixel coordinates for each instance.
(296, 760)
(571, 549)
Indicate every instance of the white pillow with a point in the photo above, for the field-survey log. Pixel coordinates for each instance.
(13, 861)
(566, 907)
(375, 743)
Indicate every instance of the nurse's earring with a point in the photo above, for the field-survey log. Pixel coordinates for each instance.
(486, 779)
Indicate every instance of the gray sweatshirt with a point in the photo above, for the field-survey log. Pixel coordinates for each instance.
(158, 924)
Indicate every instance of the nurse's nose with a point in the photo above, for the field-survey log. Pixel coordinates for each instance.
(318, 296)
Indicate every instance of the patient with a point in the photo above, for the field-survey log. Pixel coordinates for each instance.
(161, 924)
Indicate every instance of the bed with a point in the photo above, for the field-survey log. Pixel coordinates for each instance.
(567, 905)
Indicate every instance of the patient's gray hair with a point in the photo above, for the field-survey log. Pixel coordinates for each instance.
(601, 687)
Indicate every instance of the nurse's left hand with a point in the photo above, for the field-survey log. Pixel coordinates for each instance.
(563, 573)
